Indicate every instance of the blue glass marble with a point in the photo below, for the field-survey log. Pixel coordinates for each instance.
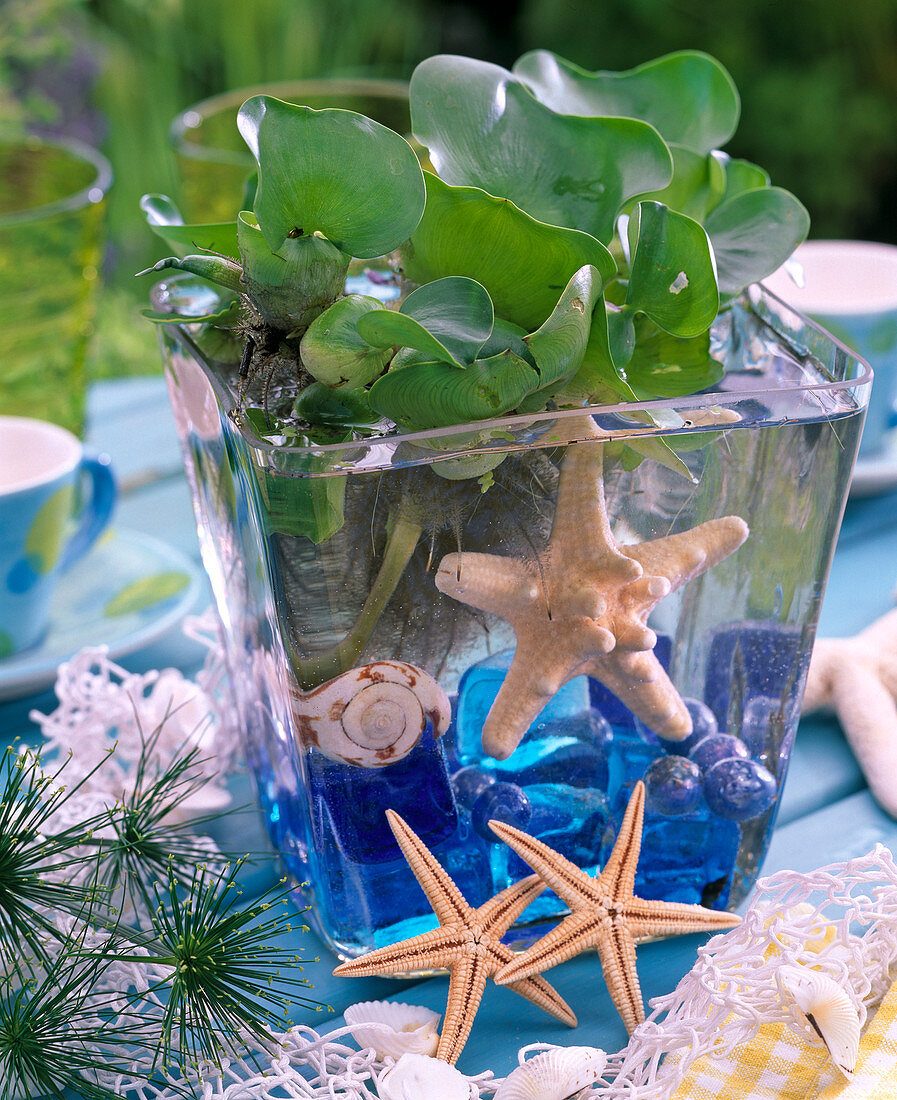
(719, 746)
(739, 789)
(703, 725)
(572, 822)
(690, 858)
(674, 785)
(579, 758)
(628, 758)
(504, 802)
(468, 784)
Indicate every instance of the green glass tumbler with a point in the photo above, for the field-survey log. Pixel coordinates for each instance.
(213, 161)
(52, 198)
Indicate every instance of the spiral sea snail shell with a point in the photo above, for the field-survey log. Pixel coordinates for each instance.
(373, 715)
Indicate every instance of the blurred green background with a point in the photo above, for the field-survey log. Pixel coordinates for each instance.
(818, 81)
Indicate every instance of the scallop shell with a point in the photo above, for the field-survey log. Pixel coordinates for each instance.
(417, 1077)
(373, 715)
(554, 1075)
(394, 1029)
(826, 1012)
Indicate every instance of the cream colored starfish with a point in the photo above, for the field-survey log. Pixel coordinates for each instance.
(605, 914)
(857, 678)
(467, 943)
(584, 609)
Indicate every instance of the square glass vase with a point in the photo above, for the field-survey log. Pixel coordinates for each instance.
(519, 619)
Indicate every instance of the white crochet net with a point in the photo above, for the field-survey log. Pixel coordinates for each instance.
(301, 1063)
(103, 707)
(841, 920)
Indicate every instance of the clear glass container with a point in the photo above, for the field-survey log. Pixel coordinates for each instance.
(332, 562)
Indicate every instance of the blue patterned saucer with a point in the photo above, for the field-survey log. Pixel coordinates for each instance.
(126, 592)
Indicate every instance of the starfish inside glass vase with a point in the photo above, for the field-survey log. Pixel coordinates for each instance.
(583, 608)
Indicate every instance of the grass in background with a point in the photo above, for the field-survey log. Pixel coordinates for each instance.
(819, 88)
(158, 57)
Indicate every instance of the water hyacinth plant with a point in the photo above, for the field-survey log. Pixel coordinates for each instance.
(569, 242)
(543, 175)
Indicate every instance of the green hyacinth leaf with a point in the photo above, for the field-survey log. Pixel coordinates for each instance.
(657, 448)
(333, 352)
(601, 376)
(687, 96)
(387, 329)
(698, 183)
(457, 311)
(224, 272)
(559, 345)
(670, 366)
(409, 357)
(522, 263)
(507, 337)
(165, 220)
(483, 128)
(438, 395)
(334, 408)
(753, 234)
(226, 316)
(331, 172)
(301, 503)
(292, 286)
(672, 278)
(741, 175)
(312, 508)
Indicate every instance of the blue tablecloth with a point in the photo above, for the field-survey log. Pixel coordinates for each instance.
(827, 813)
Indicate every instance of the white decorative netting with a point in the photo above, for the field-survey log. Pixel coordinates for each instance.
(841, 920)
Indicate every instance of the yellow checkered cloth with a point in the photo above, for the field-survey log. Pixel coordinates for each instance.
(779, 1065)
(876, 1072)
(775, 1065)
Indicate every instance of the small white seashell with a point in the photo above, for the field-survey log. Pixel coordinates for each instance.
(554, 1075)
(373, 715)
(826, 1012)
(417, 1077)
(394, 1029)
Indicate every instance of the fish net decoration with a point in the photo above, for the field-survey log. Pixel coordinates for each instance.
(106, 715)
(301, 1064)
(840, 920)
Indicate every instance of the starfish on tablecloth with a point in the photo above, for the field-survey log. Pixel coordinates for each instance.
(857, 678)
(605, 913)
(467, 943)
(584, 608)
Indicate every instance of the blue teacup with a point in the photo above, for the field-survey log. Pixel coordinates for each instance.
(850, 288)
(45, 525)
